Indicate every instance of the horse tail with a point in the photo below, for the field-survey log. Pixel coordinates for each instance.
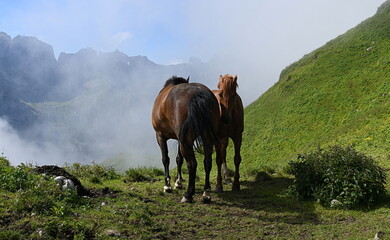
(203, 108)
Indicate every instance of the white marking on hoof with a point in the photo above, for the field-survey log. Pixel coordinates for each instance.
(206, 198)
(185, 200)
(167, 189)
(178, 184)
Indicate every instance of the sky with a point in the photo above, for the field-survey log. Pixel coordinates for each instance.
(169, 31)
(255, 39)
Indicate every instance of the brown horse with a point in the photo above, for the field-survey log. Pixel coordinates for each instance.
(231, 126)
(188, 112)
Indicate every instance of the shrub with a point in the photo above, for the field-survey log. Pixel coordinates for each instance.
(67, 229)
(38, 197)
(94, 173)
(45, 197)
(142, 174)
(4, 162)
(15, 178)
(339, 177)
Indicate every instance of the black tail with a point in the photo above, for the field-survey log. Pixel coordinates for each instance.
(203, 108)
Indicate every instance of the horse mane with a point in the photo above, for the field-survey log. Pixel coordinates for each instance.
(174, 80)
(229, 85)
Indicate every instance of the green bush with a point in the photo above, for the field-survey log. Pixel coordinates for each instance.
(36, 193)
(142, 174)
(47, 198)
(67, 229)
(338, 177)
(4, 162)
(15, 178)
(94, 173)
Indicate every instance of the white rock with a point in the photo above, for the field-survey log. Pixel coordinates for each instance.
(335, 203)
(59, 179)
(68, 184)
(379, 235)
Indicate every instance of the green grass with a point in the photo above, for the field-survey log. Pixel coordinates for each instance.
(123, 209)
(338, 94)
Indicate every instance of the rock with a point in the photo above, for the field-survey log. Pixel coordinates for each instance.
(68, 184)
(110, 232)
(379, 235)
(65, 183)
(5, 41)
(60, 180)
(52, 170)
(335, 203)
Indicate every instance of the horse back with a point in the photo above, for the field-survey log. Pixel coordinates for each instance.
(170, 108)
(161, 114)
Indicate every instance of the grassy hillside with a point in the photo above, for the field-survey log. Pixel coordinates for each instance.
(134, 206)
(338, 94)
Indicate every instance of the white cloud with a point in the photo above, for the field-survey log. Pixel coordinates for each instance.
(175, 61)
(19, 150)
(122, 36)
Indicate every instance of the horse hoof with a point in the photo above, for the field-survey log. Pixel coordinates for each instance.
(167, 189)
(178, 184)
(236, 187)
(219, 189)
(186, 200)
(206, 198)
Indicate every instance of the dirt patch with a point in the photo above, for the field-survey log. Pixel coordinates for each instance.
(105, 192)
(53, 170)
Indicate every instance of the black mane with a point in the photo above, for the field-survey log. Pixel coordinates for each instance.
(174, 80)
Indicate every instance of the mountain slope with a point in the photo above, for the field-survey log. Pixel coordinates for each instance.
(339, 93)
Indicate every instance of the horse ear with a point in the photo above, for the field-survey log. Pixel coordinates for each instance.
(188, 79)
(235, 78)
(219, 82)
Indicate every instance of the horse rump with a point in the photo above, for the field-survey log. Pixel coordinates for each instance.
(202, 110)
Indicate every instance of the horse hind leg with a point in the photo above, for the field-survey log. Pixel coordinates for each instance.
(179, 162)
(162, 142)
(220, 158)
(208, 151)
(188, 154)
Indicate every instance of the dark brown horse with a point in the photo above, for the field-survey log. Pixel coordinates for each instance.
(231, 126)
(188, 112)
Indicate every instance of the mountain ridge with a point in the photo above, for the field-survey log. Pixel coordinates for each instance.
(92, 105)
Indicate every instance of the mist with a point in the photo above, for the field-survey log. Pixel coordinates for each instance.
(99, 107)
(18, 150)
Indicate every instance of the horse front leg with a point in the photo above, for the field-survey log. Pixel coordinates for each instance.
(237, 160)
(179, 162)
(225, 172)
(162, 142)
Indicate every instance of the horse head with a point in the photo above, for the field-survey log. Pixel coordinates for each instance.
(227, 92)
